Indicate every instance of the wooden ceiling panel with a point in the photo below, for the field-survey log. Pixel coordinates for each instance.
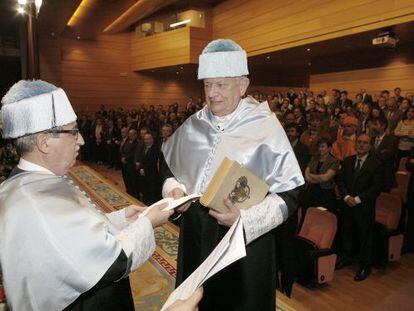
(54, 15)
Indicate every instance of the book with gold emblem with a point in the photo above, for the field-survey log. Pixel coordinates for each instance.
(235, 182)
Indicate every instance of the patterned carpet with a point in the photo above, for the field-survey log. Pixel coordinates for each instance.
(154, 281)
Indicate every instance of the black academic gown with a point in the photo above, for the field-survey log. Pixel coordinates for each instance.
(249, 283)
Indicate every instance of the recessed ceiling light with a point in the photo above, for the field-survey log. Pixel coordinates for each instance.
(177, 73)
(78, 37)
(181, 67)
(267, 57)
(308, 49)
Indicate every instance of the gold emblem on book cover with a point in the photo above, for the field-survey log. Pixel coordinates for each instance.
(241, 191)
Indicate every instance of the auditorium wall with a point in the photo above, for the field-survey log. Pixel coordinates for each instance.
(374, 80)
(95, 72)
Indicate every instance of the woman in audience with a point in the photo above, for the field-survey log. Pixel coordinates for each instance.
(319, 175)
(405, 132)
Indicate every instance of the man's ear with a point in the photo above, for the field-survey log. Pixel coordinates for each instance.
(243, 84)
(42, 143)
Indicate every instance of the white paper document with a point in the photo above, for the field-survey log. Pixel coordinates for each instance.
(171, 203)
(230, 249)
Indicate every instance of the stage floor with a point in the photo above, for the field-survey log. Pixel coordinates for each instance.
(390, 289)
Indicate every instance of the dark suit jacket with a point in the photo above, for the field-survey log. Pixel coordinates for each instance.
(302, 155)
(386, 152)
(366, 184)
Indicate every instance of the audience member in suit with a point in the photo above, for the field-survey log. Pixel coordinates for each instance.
(393, 115)
(397, 95)
(128, 166)
(385, 149)
(85, 130)
(319, 175)
(300, 149)
(315, 132)
(148, 170)
(409, 230)
(98, 141)
(360, 183)
(300, 119)
(366, 98)
(111, 136)
(166, 131)
(139, 155)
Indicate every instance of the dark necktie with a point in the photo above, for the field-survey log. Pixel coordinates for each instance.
(358, 166)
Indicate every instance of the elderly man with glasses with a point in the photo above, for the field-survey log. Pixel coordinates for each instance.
(57, 250)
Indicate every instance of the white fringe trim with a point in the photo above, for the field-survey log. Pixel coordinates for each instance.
(222, 65)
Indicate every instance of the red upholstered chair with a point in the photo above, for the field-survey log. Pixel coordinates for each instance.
(403, 181)
(401, 166)
(388, 239)
(316, 260)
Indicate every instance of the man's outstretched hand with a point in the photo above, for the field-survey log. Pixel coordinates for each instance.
(177, 193)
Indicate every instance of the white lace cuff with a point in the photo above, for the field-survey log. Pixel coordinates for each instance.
(170, 184)
(138, 242)
(263, 217)
(118, 218)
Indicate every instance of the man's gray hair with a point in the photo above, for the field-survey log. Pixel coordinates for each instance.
(27, 144)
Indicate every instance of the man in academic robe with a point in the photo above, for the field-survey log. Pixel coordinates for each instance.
(57, 249)
(360, 183)
(246, 131)
(344, 146)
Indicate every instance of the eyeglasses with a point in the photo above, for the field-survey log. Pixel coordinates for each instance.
(74, 132)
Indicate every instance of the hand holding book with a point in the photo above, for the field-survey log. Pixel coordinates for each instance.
(226, 218)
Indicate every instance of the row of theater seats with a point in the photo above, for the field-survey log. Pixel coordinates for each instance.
(316, 236)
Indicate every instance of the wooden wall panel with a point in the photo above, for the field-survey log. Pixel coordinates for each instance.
(161, 50)
(374, 80)
(95, 72)
(149, 90)
(50, 60)
(262, 26)
(199, 38)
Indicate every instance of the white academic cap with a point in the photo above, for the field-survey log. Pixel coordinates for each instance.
(33, 106)
(222, 58)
